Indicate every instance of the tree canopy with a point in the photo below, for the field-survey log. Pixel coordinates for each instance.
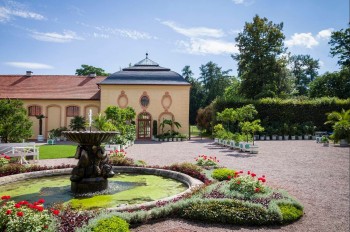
(340, 46)
(304, 69)
(14, 122)
(214, 81)
(87, 69)
(261, 67)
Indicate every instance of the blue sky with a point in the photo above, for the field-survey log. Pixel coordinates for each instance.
(56, 37)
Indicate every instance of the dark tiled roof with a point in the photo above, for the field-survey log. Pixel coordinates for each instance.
(145, 72)
(50, 87)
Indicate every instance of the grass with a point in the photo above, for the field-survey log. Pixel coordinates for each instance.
(196, 132)
(57, 151)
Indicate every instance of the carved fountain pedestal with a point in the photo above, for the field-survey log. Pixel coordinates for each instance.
(91, 173)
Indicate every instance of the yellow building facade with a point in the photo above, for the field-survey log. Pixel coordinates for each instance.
(154, 92)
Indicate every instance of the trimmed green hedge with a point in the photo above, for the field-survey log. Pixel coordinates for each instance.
(292, 111)
(111, 224)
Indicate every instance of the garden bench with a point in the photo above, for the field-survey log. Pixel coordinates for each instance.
(21, 150)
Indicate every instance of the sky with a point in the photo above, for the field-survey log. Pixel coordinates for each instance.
(58, 36)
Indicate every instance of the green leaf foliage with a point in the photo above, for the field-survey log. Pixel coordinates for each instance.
(221, 174)
(88, 69)
(113, 223)
(14, 122)
(294, 112)
(340, 46)
(290, 213)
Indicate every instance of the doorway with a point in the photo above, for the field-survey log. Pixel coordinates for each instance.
(144, 126)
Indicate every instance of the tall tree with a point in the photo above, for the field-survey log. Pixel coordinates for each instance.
(214, 81)
(14, 122)
(87, 69)
(340, 46)
(336, 84)
(196, 93)
(260, 65)
(304, 69)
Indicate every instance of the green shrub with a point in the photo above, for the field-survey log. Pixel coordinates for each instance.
(290, 212)
(292, 111)
(119, 161)
(185, 166)
(113, 223)
(223, 174)
(228, 211)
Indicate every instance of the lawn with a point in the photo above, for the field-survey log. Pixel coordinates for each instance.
(196, 132)
(57, 151)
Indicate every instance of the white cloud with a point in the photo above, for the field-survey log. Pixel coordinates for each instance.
(107, 32)
(238, 1)
(325, 34)
(302, 39)
(195, 31)
(29, 65)
(199, 46)
(14, 9)
(321, 63)
(66, 36)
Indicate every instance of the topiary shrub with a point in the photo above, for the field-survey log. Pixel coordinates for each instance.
(290, 213)
(228, 211)
(223, 174)
(113, 223)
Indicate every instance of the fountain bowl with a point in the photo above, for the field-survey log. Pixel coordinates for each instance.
(90, 137)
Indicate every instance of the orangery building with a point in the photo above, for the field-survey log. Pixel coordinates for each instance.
(154, 92)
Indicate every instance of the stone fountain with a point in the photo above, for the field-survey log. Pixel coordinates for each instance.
(93, 168)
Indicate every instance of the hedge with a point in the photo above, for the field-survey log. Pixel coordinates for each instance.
(292, 111)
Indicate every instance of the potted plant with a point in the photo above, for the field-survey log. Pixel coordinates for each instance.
(341, 133)
(40, 135)
(300, 132)
(293, 131)
(154, 129)
(341, 126)
(250, 128)
(285, 131)
(325, 141)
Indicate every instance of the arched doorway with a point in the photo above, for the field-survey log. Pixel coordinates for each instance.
(144, 126)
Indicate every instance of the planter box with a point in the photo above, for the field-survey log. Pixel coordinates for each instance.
(254, 149)
(286, 137)
(280, 137)
(292, 137)
(256, 137)
(267, 137)
(300, 137)
(343, 143)
(51, 141)
(40, 138)
(262, 137)
(274, 137)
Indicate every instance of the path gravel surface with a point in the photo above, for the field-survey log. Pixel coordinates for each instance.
(317, 176)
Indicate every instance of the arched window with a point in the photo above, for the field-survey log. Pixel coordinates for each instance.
(72, 111)
(34, 110)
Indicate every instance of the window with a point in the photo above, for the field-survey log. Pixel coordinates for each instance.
(144, 101)
(72, 111)
(34, 110)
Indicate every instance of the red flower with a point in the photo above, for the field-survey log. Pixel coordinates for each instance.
(8, 212)
(41, 201)
(253, 174)
(46, 226)
(218, 161)
(229, 177)
(238, 182)
(17, 205)
(241, 171)
(5, 197)
(263, 180)
(257, 190)
(55, 211)
(248, 172)
(39, 208)
(20, 214)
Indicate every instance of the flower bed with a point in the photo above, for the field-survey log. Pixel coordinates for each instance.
(240, 198)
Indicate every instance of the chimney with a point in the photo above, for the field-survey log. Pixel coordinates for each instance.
(29, 73)
(92, 75)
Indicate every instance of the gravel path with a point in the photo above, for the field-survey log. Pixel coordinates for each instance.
(317, 176)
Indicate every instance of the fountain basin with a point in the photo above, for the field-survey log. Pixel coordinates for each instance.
(90, 137)
(135, 192)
